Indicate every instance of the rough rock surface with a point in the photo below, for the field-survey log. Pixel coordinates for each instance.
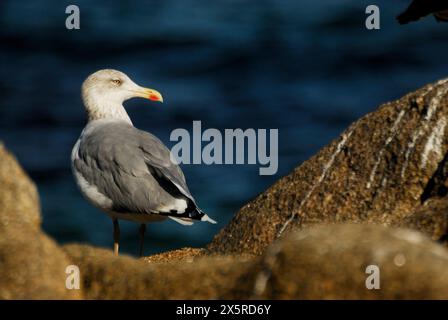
(19, 201)
(329, 262)
(430, 218)
(32, 266)
(184, 254)
(379, 170)
(107, 277)
(323, 262)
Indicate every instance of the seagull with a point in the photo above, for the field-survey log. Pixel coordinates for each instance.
(126, 172)
(421, 8)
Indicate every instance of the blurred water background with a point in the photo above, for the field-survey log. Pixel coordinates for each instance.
(308, 68)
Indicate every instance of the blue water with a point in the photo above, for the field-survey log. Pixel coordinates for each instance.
(308, 68)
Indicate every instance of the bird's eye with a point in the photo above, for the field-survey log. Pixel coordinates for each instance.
(116, 81)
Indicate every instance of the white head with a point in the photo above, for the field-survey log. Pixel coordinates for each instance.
(104, 92)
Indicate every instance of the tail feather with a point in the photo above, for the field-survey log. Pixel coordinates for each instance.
(201, 215)
(208, 219)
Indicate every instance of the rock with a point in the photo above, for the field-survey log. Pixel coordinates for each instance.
(380, 170)
(329, 262)
(19, 201)
(184, 254)
(431, 218)
(107, 277)
(32, 266)
(322, 262)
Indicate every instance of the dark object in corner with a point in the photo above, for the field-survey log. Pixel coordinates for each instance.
(421, 8)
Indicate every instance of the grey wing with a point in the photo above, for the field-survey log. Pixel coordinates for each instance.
(134, 170)
(158, 160)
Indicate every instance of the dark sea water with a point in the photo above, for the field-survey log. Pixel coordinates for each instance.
(308, 68)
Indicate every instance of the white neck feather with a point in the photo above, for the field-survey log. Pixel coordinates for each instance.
(104, 108)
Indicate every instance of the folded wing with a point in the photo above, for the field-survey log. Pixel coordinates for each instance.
(134, 170)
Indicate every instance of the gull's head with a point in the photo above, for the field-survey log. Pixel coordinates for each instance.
(104, 92)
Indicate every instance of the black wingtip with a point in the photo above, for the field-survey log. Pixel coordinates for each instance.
(201, 215)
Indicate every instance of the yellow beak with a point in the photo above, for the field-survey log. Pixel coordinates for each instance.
(150, 94)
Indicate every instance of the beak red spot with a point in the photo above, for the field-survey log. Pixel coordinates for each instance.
(154, 97)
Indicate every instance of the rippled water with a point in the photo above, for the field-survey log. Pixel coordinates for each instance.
(307, 68)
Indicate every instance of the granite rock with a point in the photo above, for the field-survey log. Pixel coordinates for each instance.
(380, 170)
(336, 262)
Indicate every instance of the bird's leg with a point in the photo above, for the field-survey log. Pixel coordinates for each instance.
(116, 236)
(141, 232)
